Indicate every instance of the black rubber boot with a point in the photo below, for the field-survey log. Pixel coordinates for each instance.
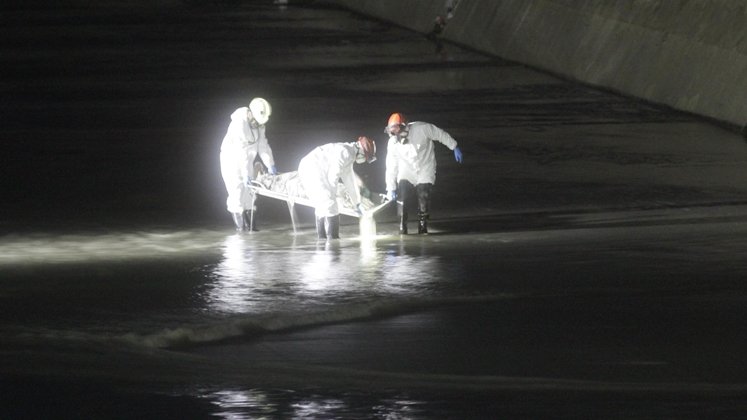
(238, 220)
(424, 204)
(404, 202)
(332, 226)
(422, 223)
(321, 233)
(250, 222)
(423, 192)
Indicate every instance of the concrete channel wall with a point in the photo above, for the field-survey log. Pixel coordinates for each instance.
(690, 55)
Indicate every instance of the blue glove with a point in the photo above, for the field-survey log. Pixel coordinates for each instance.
(458, 154)
(391, 195)
(248, 182)
(273, 170)
(359, 209)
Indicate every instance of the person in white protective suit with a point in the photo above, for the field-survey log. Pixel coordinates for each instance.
(244, 140)
(411, 166)
(322, 169)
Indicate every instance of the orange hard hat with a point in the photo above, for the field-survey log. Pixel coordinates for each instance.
(396, 119)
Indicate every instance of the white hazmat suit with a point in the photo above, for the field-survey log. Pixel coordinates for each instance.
(320, 171)
(241, 145)
(414, 160)
(411, 166)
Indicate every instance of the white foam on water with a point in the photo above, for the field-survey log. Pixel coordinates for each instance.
(250, 326)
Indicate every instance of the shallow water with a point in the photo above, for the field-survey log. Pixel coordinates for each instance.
(416, 326)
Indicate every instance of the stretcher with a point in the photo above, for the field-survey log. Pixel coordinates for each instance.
(287, 187)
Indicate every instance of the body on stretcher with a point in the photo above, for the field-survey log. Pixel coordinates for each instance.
(287, 187)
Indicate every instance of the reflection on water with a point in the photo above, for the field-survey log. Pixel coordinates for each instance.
(319, 272)
(255, 278)
(192, 286)
(313, 408)
(257, 403)
(241, 404)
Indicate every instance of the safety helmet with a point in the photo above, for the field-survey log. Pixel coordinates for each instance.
(395, 119)
(260, 110)
(367, 152)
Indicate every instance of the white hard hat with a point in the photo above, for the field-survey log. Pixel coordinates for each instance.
(260, 110)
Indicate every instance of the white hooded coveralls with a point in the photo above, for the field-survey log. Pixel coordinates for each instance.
(415, 159)
(240, 147)
(320, 171)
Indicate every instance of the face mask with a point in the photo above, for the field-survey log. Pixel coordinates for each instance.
(402, 131)
(402, 136)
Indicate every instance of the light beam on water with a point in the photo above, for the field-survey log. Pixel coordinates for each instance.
(76, 248)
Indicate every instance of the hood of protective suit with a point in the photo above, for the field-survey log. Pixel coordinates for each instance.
(240, 114)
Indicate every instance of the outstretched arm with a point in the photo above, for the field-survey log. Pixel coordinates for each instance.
(441, 136)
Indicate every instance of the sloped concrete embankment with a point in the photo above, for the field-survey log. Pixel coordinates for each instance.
(690, 55)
